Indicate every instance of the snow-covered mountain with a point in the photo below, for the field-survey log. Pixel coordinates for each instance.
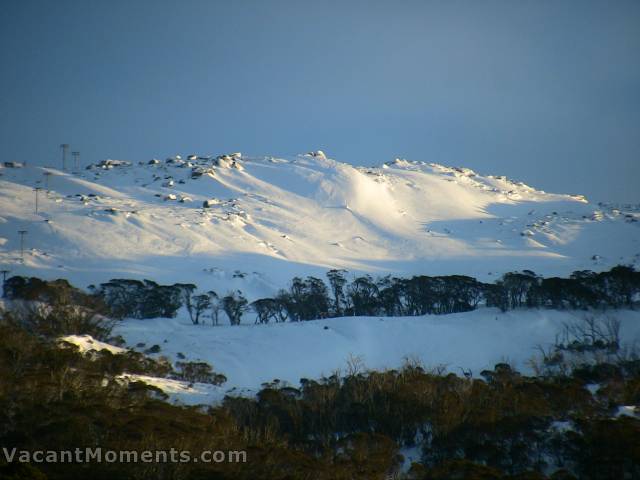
(268, 219)
(252, 224)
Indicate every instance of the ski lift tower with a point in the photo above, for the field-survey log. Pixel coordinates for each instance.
(76, 161)
(46, 174)
(4, 279)
(37, 190)
(65, 149)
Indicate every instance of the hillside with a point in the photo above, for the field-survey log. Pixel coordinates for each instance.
(270, 219)
(407, 367)
(252, 355)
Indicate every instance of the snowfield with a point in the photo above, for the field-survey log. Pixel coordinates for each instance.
(250, 355)
(251, 224)
(268, 219)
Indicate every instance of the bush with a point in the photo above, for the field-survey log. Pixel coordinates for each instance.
(199, 372)
(56, 320)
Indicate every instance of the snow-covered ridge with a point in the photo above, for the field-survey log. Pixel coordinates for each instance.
(230, 222)
(250, 355)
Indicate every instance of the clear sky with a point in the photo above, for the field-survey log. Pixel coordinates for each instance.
(546, 91)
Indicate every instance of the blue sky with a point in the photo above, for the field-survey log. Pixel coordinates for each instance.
(547, 92)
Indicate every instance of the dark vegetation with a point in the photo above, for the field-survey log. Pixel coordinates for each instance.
(199, 372)
(310, 298)
(346, 426)
(502, 425)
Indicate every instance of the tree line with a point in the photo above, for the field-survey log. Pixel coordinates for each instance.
(312, 298)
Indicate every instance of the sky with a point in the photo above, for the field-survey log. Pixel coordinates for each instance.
(546, 91)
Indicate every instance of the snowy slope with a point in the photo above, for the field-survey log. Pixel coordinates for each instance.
(250, 355)
(271, 219)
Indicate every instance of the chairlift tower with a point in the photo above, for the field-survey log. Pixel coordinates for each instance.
(4, 280)
(65, 149)
(76, 161)
(37, 190)
(46, 174)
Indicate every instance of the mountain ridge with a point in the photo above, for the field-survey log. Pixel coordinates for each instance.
(268, 219)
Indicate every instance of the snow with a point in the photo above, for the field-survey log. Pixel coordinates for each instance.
(180, 392)
(267, 219)
(628, 411)
(250, 355)
(593, 388)
(411, 455)
(87, 343)
(281, 217)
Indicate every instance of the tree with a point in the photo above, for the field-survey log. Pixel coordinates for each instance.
(389, 296)
(621, 284)
(186, 291)
(306, 300)
(337, 283)
(133, 298)
(316, 299)
(286, 306)
(124, 297)
(464, 293)
(215, 305)
(517, 287)
(200, 304)
(495, 296)
(266, 310)
(363, 294)
(160, 300)
(200, 372)
(234, 305)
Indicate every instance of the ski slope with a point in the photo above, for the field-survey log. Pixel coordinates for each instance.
(250, 355)
(270, 219)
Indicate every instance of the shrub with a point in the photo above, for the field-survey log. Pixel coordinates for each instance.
(199, 372)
